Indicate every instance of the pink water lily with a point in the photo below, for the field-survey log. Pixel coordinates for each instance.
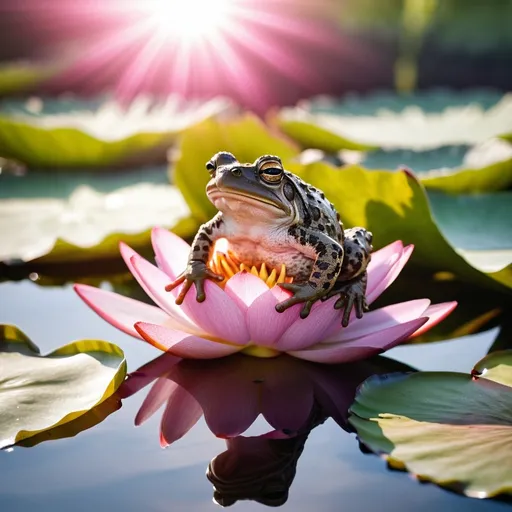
(242, 316)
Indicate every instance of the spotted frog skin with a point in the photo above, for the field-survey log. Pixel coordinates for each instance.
(269, 215)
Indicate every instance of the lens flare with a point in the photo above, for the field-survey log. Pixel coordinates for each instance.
(257, 52)
(189, 19)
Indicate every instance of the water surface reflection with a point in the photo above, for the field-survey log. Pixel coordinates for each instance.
(116, 466)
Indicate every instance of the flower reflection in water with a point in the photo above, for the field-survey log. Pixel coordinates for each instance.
(293, 396)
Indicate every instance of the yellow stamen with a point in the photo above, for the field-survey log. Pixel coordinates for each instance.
(228, 272)
(271, 280)
(217, 265)
(227, 265)
(282, 274)
(232, 263)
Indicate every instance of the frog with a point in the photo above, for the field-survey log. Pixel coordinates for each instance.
(270, 215)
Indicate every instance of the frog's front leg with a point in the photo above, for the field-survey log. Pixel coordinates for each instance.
(325, 271)
(351, 282)
(197, 268)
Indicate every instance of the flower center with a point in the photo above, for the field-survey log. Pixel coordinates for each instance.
(259, 351)
(227, 265)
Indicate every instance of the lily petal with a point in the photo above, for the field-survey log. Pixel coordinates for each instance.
(152, 280)
(244, 288)
(286, 403)
(305, 332)
(380, 319)
(119, 311)
(377, 288)
(181, 414)
(159, 393)
(228, 410)
(265, 324)
(147, 373)
(360, 348)
(182, 344)
(435, 313)
(218, 315)
(171, 252)
(334, 391)
(381, 262)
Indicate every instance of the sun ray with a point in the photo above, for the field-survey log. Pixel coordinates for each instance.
(250, 50)
(135, 74)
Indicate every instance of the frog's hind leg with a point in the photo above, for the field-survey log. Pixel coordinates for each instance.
(358, 248)
(351, 282)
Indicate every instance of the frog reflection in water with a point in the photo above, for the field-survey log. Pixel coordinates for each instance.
(269, 215)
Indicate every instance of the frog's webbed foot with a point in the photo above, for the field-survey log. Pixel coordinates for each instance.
(352, 296)
(196, 272)
(302, 292)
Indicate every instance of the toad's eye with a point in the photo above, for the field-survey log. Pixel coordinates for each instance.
(271, 172)
(210, 167)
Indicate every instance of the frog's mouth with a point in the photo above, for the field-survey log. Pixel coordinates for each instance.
(215, 194)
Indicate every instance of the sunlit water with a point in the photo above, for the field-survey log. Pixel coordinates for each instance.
(116, 466)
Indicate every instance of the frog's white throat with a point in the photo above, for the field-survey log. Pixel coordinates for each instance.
(246, 210)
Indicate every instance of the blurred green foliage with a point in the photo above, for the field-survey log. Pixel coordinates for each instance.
(469, 25)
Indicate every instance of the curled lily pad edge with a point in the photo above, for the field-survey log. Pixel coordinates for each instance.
(10, 333)
(479, 371)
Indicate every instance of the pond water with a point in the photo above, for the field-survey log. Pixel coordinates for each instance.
(115, 465)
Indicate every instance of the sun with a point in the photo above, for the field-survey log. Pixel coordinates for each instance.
(188, 19)
(198, 48)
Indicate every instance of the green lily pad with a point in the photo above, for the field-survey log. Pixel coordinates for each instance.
(393, 205)
(486, 167)
(68, 133)
(42, 392)
(52, 218)
(247, 137)
(16, 77)
(418, 122)
(496, 367)
(86, 421)
(477, 226)
(449, 428)
(317, 131)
